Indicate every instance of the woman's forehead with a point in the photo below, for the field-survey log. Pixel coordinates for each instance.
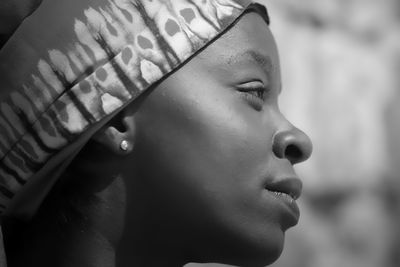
(249, 40)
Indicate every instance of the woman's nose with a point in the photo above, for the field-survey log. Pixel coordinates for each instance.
(292, 144)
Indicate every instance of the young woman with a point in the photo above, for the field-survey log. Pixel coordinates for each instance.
(145, 133)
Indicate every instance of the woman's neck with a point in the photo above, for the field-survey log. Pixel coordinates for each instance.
(94, 230)
(90, 248)
(148, 250)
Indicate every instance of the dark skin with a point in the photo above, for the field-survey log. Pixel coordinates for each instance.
(205, 144)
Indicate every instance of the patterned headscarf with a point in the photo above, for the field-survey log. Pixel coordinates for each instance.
(73, 64)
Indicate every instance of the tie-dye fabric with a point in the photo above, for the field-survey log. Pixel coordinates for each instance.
(74, 63)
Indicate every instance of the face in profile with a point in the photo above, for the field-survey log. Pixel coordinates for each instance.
(213, 157)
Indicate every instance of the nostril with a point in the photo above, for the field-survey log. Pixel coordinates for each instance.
(293, 153)
(293, 145)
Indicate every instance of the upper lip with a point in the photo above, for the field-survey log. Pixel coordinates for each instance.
(291, 186)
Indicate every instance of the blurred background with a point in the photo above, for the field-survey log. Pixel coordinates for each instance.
(341, 75)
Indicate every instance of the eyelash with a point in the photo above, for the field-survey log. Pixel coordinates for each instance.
(257, 92)
(254, 92)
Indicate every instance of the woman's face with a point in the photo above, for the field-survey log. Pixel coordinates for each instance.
(210, 141)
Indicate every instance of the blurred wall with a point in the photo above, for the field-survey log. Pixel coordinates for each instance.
(341, 75)
(341, 82)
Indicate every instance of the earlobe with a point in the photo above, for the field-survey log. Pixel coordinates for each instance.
(119, 140)
(125, 145)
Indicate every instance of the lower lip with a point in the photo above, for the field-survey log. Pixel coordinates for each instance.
(289, 205)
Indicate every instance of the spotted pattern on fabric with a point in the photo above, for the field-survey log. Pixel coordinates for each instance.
(138, 42)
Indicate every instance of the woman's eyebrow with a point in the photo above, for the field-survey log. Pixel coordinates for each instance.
(262, 60)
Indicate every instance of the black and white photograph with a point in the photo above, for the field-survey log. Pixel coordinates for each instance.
(199, 133)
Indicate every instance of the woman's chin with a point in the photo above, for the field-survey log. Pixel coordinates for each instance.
(263, 247)
(253, 250)
(263, 254)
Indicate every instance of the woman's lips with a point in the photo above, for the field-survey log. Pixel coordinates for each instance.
(288, 203)
(289, 186)
(286, 191)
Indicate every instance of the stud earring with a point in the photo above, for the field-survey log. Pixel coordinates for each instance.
(124, 146)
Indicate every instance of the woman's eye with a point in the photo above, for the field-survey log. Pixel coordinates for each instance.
(254, 92)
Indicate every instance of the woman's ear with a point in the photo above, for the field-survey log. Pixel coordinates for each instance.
(118, 135)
